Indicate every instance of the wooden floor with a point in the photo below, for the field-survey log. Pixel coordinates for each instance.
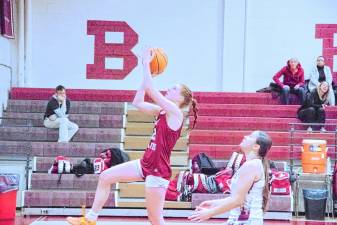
(60, 220)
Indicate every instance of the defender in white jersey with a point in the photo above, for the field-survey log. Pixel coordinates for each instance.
(249, 188)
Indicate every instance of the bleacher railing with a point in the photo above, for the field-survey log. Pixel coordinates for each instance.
(25, 156)
(295, 150)
(296, 129)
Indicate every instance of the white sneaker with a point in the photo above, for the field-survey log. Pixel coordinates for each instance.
(322, 130)
(309, 129)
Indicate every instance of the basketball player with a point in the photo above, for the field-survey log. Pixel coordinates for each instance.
(154, 167)
(249, 186)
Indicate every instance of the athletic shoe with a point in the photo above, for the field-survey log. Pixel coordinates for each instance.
(309, 130)
(80, 221)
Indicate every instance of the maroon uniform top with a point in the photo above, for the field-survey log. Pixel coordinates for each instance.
(156, 159)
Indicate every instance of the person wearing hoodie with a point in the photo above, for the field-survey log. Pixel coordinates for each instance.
(313, 108)
(56, 115)
(293, 81)
(321, 73)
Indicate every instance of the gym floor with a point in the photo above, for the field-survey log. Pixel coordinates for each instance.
(60, 220)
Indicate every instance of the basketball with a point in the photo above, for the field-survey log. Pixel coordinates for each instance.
(159, 61)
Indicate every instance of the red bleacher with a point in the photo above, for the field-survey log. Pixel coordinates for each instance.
(224, 118)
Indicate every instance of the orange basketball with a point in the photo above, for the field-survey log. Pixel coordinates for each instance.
(159, 61)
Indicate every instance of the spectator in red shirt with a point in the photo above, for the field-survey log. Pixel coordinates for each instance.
(293, 81)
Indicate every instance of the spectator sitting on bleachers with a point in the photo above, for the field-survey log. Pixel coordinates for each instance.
(319, 73)
(293, 80)
(56, 115)
(312, 110)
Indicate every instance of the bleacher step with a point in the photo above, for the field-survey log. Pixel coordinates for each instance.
(45, 134)
(134, 115)
(278, 203)
(45, 181)
(82, 120)
(227, 137)
(71, 149)
(258, 110)
(140, 203)
(77, 107)
(249, 123)
(63, 198)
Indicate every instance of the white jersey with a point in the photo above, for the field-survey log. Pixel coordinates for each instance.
(251, 213)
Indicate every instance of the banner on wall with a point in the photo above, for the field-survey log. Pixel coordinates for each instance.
(6, 18)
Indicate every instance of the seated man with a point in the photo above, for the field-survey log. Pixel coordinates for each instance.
(293, 81)
(56, 115)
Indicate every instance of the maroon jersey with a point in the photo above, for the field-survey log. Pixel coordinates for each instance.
(156, 159)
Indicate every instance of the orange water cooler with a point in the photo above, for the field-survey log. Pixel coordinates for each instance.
(314, 156)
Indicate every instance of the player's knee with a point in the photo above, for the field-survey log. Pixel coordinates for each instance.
(75, 127)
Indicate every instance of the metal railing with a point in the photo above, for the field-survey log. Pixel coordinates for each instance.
(26, 155)
(300, 128)
(330, 136)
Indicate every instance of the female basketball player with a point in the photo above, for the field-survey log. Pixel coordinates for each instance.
(249, 186)
(154, 167)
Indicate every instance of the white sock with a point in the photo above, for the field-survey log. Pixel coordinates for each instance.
(91, 215)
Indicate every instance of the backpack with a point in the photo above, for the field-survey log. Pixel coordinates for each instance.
(61, 165)
(84, 167)
(113, 157)
(172, 193)
(201, 163)
(280, 183)
(185, 183)
(108, 158)
(223, 177)
(223, 180)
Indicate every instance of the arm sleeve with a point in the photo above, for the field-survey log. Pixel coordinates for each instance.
(301, 80)
(313, 78)
(277, 76)
(328, 76)
(51, 106)
(68, 106)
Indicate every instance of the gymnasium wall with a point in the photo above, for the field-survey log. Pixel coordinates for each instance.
(215, 45)
(5, 69)
(9, 60)
(187, 31)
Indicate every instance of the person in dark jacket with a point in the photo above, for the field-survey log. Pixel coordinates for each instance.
(312, 109)
(293, 81)
(56, 115)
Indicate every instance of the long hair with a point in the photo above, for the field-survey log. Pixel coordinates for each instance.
(325, 95)
(265, 143)
(189, 100)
